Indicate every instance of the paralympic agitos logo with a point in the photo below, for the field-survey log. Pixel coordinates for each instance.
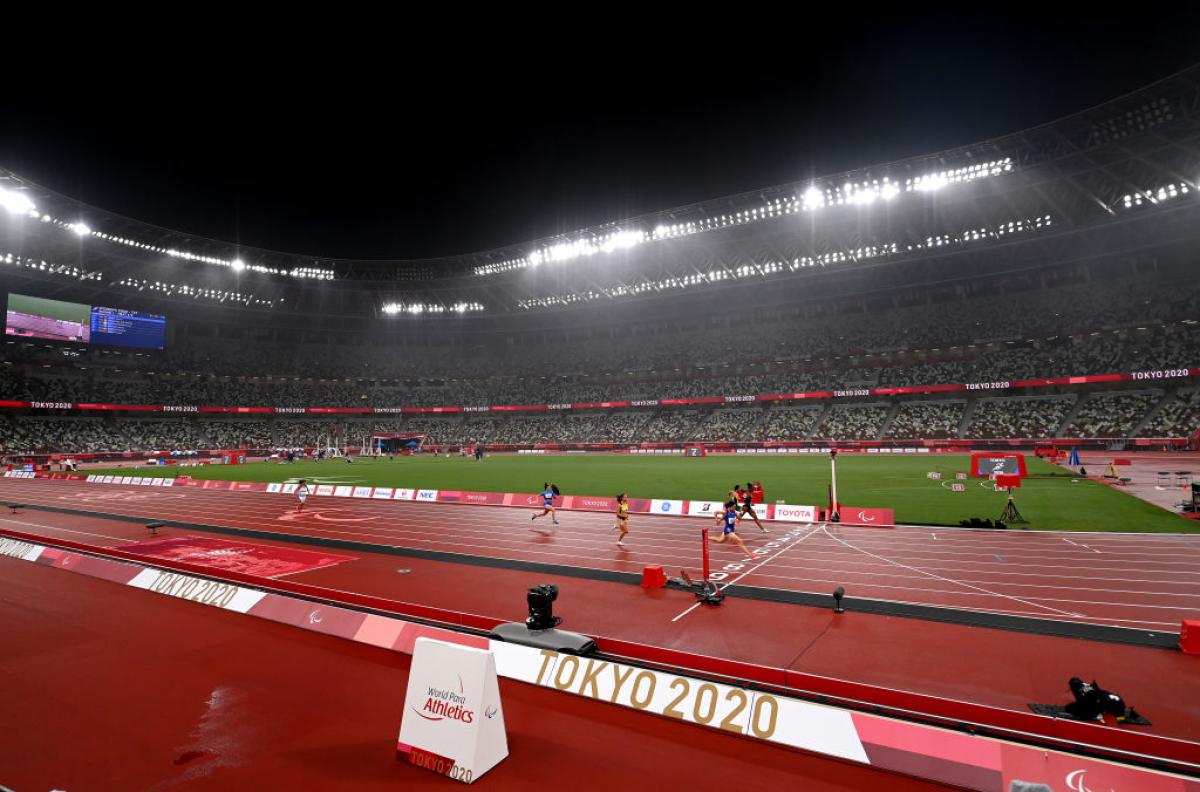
(446, 705)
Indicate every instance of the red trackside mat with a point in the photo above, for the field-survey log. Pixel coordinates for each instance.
(250, 559)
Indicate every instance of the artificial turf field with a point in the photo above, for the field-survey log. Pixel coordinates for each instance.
(1051, 499)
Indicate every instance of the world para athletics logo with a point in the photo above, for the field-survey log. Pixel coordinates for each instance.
(441, 704)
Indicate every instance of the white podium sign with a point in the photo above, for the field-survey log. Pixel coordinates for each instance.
(453, 723)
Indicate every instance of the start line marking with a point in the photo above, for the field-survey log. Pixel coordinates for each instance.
(793, 541)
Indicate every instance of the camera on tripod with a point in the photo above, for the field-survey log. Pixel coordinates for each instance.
(541, 607)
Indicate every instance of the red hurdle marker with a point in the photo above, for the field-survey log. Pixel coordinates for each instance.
(653, 577)
(709, 594)
(1189, 637)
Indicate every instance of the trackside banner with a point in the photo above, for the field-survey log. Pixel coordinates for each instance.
(953, 758)
(880, 518)
(674, 508)
(1153, 375)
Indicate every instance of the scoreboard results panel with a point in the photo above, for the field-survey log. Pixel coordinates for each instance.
(118, 327)
(989, 464)
(56, 320)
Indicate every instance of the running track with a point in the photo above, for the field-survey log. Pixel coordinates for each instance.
(1142, 581)
(204, 699)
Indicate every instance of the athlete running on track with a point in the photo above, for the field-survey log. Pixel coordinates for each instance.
(549, 493)
(728, 521)
(747, 504)
(301, 495)
(622, 519)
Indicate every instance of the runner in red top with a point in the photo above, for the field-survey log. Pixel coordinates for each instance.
(747, 506)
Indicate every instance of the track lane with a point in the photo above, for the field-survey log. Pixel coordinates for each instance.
(1149, 582)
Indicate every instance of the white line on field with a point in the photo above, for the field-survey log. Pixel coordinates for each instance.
(68, 530)
(951, 580)
(752, 569)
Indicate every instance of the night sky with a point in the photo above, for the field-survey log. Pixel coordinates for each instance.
(382, 140)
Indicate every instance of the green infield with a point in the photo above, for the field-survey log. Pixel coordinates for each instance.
(1050, 499)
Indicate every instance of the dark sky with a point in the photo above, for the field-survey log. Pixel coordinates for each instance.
(385, 140)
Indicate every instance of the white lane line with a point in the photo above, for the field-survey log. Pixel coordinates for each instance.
(68, 530)
(753, 568)
(908, 587)
(950, 580)
(1068, 541)
(781, 552)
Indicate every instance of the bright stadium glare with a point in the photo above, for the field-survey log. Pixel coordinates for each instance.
(416, 309)
(767, 268)
(863, 197)
(1155, 195)
(863, 193)
(16, 202)
(590, 243)
(931, 183)
(50, 268)
(623, 239)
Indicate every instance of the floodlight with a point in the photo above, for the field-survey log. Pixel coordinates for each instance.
(16, 202)
(238, 265)
(932, 183)
(81, 228)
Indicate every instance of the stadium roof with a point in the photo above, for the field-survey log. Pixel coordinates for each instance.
(1132, 156)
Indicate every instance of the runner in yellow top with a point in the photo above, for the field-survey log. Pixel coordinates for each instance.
(622, 519)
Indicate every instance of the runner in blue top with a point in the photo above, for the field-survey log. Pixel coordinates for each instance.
(728, 519)
(549, 493)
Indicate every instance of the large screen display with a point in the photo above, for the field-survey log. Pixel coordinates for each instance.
(118, 327)
(55, 320)
(985, 465)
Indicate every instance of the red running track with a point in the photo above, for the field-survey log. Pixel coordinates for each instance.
(994, 668)
(1137, 581)
(106, 688)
